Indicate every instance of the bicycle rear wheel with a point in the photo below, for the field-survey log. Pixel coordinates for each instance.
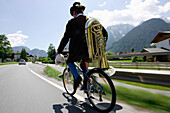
(68, 81)
(101, 92)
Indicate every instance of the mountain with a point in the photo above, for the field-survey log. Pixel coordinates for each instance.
(166, 20)
(140, 36)
(116, 32)
(19, 48)
(35, 52)
(39, 53)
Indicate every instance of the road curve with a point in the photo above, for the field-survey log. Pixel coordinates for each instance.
(26, 89)
(23, 92)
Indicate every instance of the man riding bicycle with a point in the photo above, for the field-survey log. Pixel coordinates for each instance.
(99, 83)
(75, 33)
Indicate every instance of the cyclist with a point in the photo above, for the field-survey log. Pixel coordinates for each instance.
(75, 33)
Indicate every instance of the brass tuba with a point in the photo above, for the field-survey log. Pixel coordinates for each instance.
(96, 42)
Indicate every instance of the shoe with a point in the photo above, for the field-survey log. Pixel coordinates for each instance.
(77, 82)
(83, 87)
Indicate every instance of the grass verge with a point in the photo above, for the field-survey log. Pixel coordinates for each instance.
(144, 99)
(8, 63)
(52, 73)
(164, 88)
(121, 60)
(141, 98)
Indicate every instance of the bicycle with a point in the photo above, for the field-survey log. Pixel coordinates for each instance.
(100, 89)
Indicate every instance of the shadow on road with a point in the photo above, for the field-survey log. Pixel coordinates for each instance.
(75, 106)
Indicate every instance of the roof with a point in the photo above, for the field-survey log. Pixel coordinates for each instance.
(18, 52)
(155, 50)
(31, 56)
(163, 35)
(145, 52)
(129, 53)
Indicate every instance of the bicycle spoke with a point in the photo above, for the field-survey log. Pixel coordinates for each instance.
(101, 91)
(68, 81)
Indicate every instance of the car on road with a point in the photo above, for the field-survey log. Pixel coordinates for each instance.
(22, 62)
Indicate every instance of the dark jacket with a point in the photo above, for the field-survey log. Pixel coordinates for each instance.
(75, 33)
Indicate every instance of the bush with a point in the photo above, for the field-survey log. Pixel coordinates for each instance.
(109, 53)
(150, 59)
(134, 59)
(40, 58)
(47, 60)
(137, 59)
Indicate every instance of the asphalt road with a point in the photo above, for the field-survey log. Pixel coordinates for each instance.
(26, 89)
(21, 91)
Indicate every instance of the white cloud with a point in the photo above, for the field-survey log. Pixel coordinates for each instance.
(77, 1)
(135, 12)
(166, 7)
(168, 18)
(17, 39)
(103, 4)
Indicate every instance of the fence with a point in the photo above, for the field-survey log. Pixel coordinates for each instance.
(141, 65)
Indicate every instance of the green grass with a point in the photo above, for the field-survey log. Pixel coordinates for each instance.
(155, 102)
(121, 60)
(52, 73)
(8, 63)
(164, 88)
(141, 98)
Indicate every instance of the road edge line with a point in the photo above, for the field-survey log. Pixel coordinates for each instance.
(55, 85)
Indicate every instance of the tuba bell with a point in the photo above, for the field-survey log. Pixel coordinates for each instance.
(96, 42)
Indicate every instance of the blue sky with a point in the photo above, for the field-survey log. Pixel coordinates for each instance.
(37, 23)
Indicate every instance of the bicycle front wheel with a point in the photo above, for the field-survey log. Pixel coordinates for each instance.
(101, 92)
(68, 81)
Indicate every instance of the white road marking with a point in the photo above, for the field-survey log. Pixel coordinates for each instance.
(55, 85)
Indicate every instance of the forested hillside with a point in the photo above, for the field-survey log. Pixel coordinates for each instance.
(116, 32)
(140, 36)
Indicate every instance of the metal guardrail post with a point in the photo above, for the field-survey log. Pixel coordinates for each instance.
(158, 67)
(136, 65)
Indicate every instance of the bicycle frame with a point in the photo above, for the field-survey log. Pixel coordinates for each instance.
(86, 77)
(98, 84)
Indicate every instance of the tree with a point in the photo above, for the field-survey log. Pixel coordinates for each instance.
(132, 50)
(23, 54)
(109, 53)
(51, 52)
(40, 58)
(5, 47)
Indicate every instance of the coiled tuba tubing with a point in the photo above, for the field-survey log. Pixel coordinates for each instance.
(96, 42)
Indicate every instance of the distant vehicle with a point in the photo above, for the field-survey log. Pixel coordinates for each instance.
(8, 60)
(22, 62)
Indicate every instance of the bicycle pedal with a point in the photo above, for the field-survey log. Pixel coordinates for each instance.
(92, 97)
(86, 91)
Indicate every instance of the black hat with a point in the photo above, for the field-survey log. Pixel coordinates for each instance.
(75, 6)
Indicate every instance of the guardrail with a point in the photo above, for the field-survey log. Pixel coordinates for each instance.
(154, 77)
(141, 65)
